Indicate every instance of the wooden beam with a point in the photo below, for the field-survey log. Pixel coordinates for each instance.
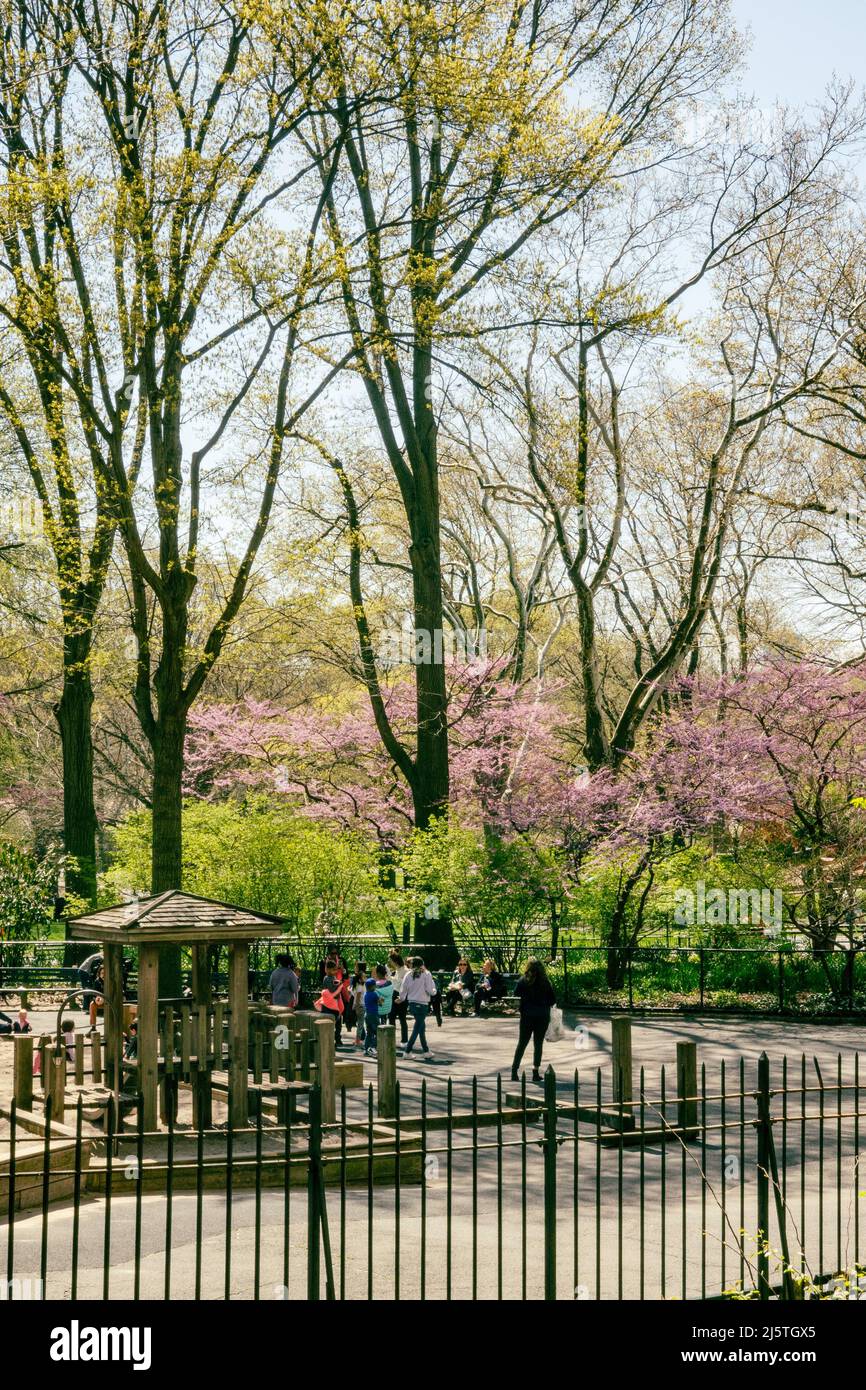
(96, 1057)
(238, 1034)
(148, 1032)
(113, 1015)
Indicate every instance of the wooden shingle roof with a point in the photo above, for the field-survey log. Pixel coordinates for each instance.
(174, 917)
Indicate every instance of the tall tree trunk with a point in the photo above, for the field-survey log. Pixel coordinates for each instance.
(167, 833)
(167, 849)
(73, 713)
(430, 792)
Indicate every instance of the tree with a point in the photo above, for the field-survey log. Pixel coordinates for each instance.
(608, 472)
(811, 720)
(46, 212)
(181, 113)
(464, 156)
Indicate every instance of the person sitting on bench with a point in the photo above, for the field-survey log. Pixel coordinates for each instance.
(462, 986)
(490, 987)
(87, 972)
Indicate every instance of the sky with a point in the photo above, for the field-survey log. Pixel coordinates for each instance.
(798, 45)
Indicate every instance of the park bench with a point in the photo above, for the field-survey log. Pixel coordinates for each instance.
(24, 980)
(507, 1003)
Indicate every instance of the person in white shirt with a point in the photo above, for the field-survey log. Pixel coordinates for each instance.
(397, 971)
(417, 990)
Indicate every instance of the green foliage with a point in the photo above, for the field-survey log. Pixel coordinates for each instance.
(27, 889)
(495, 891)
(318, 877)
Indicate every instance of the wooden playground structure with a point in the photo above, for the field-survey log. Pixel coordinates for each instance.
(249, 1058)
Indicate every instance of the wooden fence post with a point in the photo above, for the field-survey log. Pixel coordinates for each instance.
(324, 1035)
(95, 1057)
(386, 1066)
(687, 1085)
(23, 1081)
(57, 1085)
(622, 1063)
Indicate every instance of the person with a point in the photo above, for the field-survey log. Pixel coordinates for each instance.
(397, 971)
(331, 999)
(371, 1017)
(359, 989)
(417, 990)
(6, 1025)
(330, 955)
(462, 986)
(537, 998)
(87, 972)
(283, 983)
(384, 993)
(22, 1023)
(491, 986)
(130, 1047)
(67, 1028)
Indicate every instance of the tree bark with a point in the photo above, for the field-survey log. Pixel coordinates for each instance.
(431, 781)
(167, 833)
(73, 713)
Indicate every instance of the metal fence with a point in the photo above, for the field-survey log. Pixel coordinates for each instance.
(772, 978)
(745, 1177)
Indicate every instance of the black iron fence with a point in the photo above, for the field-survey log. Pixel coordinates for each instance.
(693, 1185)
(772, 978)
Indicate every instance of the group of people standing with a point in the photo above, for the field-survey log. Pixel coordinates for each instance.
(398, 990)
(390, 993)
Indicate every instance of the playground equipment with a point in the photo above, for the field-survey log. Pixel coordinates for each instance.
(166, 1042)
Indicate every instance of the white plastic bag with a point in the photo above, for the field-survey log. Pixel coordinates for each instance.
(556, 1027)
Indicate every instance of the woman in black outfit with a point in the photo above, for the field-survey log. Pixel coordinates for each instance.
(537, 998)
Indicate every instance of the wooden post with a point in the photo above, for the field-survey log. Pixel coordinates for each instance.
(386, 1065)
(113, 1015)
(201, 991)
(274, 1055)
(95, 1057)
(44, 1054)
(57, 1091)
(148, 1031)
(239, 1041)
(324, 1044)
(687, 1085)
(79, 1059)
(218, 1026)
(622, 1065)
(185, 1041)
(22, 1088)
(202, 1109)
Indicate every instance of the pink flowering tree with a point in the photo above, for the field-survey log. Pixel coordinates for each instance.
(811, 721)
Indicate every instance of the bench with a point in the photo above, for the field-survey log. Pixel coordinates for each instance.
(24, 980)
(506, 1003)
